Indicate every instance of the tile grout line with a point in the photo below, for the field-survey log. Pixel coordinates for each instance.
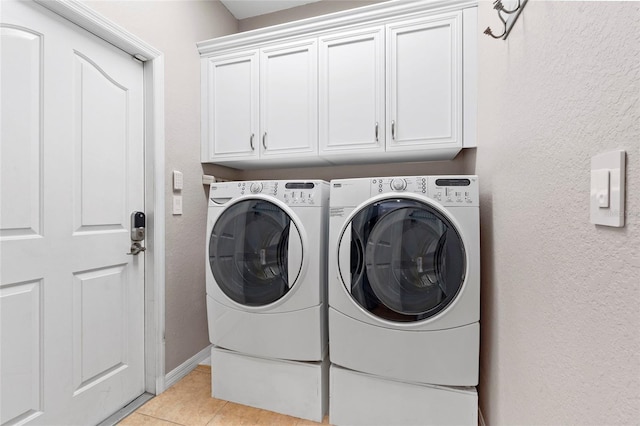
(217, 412)
(160, 418)
(207, 370)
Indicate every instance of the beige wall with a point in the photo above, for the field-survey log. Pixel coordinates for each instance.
(174, 27)
(301, 12)
(560, 297)
(463, 163)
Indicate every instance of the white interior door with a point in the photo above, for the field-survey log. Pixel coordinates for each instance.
(71, 299)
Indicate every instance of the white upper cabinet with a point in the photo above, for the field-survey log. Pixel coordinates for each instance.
(351, 94)
(389, 82)
(230, 98)
(424, 83)
(261, 106)
(289, 100)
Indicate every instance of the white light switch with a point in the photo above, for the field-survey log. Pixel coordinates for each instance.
(600, 182)
(607, 188)
(177, 204)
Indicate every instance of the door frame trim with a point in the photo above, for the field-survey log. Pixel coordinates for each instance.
(154, 141)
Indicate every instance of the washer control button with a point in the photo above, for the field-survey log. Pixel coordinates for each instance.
(398, 184)
(256, 188)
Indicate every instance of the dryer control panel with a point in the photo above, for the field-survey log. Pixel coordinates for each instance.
(447, 190)
(301, 193)
(454, 190)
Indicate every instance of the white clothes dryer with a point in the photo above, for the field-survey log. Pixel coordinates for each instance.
(266, 268)
(404, 278)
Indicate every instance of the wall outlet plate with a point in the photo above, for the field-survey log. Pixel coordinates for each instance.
(608, 188)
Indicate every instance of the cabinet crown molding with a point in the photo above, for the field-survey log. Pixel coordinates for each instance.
(319, 24)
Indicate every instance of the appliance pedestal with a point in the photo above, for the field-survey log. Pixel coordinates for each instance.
(362, 399)
(293, 388)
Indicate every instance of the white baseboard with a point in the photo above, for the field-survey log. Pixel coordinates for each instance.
(481, 418)
(186, 367)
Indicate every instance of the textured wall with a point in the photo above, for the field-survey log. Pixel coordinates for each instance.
(301, 12)
(561, 297)
(461, 164)
(174, 27)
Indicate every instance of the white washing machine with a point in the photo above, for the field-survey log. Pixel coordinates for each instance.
(404, 278)
(266, 268)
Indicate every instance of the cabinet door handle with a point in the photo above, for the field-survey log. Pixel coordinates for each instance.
(251, 141)
(393, 130)
(376, 131)
(264, 140)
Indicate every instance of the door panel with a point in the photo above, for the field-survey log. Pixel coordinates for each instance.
(232, 97)
(21, 304)
(351, 98)
(99, 322)
(72, 164)
(428, 109)
(424, 82)
(288, 99)
(100, 112)
(20, 166)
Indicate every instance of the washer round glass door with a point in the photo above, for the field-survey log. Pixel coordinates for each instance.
(255, 252)
(406, 259)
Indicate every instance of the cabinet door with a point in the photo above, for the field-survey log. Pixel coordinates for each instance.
(230, 107)
(424, 83)
(351, 97)
(289, 100)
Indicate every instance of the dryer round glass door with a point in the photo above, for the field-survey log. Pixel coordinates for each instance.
(255, 252)
(406, 261)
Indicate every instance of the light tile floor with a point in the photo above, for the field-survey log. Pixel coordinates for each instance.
(189, 402)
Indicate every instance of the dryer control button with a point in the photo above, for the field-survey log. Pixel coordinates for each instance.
(255, 188)
(398, 184)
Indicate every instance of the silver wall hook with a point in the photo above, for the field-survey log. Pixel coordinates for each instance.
(507, 17)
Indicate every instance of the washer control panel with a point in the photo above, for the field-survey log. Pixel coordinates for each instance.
(417, 184)
(292, 193)
(256, 187)
(247, 188)
(447, 190)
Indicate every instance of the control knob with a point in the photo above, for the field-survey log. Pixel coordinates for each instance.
(255, 188)
(398, 184)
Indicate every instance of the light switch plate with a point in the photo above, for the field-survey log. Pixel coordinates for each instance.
(608, 188)
(177, 204)
(178, 181)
